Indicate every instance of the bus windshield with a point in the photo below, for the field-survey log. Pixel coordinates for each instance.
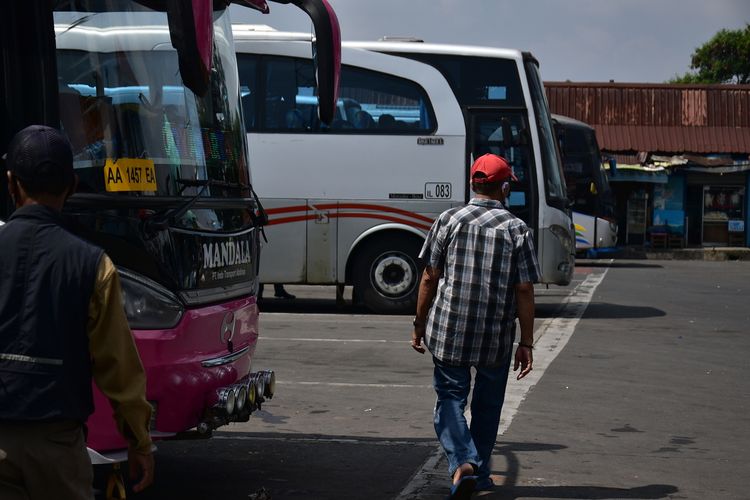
(554, 183)
(136, 130)
(586, 179)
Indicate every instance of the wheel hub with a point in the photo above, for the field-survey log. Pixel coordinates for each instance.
(393, 275)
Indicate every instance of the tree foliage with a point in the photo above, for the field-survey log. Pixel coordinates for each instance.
(725, 58)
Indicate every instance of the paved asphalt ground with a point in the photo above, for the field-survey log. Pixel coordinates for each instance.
(641, 390)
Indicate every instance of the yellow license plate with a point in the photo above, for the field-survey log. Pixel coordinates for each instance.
(129, 174)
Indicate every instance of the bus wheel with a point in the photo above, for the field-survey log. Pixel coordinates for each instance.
(386, 275)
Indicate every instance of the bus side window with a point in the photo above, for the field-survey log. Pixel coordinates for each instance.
(287, 80)
(248, 110)
(363, 120)
(247, 64)
(386, 122)
(294, 120)
(381, 103)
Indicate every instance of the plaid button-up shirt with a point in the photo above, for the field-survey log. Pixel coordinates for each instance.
(483, 251)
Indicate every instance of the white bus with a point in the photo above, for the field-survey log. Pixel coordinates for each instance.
(350, 204)
(588, 187)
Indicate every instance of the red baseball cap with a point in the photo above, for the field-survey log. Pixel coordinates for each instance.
(495, 169)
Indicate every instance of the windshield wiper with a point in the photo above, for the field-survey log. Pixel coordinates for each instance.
(78, 22)
(160, 220)
(212, 183)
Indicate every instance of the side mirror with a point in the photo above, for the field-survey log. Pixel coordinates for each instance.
(191, 31)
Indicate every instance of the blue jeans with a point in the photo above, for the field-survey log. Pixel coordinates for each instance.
(463, 444)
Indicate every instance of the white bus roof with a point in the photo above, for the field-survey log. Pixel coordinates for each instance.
(118, 38)
(263, 32)
(436, 48)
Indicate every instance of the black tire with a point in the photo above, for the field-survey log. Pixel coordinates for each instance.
(386, 274)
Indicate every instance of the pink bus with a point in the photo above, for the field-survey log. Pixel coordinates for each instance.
(148, 93)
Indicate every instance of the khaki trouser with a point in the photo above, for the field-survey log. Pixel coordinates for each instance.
(44, 461)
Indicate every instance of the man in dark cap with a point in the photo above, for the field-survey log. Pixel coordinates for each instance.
(479, 275)
(61, 324)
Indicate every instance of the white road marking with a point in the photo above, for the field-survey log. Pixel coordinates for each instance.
(281, 317)
(551, 337)
(299, 339)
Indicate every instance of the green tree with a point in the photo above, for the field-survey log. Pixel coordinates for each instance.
(725, 58)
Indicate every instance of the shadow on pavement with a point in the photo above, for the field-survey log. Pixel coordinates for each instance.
(603, 310)
(581, 492)
(242, 466)
(510, 490)
(599, 310)
(543, 311)
(617, 264)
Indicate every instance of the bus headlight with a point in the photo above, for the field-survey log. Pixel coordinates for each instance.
(148, 305)
(565, 238)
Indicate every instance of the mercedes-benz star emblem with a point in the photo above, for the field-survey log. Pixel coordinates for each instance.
(227, 330)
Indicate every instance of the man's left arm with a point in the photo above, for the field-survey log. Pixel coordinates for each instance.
(527, 273)
(525, 311)
(118, 372)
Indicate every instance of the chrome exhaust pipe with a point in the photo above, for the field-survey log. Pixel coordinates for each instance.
(236, 402)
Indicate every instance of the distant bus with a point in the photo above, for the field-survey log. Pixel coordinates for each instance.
(351, 203)
(588, 187)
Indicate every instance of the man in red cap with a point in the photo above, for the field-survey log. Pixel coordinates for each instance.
(479, 275)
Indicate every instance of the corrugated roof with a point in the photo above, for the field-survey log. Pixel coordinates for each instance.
(673, 140)
(659, 118)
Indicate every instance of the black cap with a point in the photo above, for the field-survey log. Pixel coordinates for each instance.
(41, 157)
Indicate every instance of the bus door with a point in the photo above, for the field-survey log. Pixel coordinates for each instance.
(286, 249)
(504, 132)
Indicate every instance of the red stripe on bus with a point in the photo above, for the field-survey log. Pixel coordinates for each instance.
(349, 215)
(286, 210)
(366, 215)
(286, 220)
(380, 208)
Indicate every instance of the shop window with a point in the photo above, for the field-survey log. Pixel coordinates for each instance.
(723, 215)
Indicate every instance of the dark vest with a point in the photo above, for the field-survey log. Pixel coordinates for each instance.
(47, 277)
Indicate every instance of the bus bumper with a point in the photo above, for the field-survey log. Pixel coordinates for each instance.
(198, 376)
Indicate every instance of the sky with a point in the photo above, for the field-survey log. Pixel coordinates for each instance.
(578, 40)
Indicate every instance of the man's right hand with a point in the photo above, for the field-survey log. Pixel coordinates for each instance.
(524, 359)
(417, 336)
(141, 466)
